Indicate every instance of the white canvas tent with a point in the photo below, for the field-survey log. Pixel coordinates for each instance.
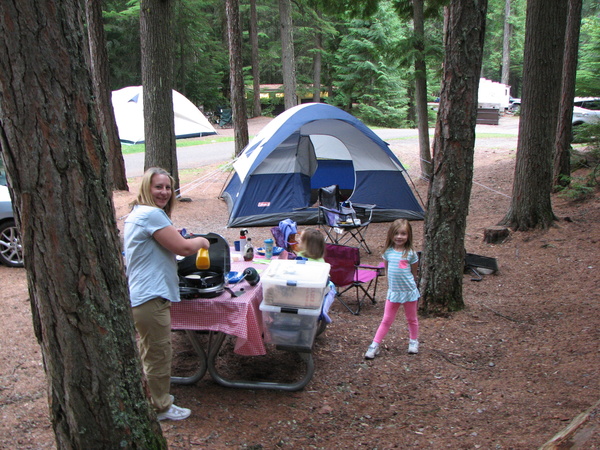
(128, 105)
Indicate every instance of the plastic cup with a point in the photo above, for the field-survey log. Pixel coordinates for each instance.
(269, 248)
(236, 245)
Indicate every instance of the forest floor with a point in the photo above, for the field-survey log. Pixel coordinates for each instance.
(510, 371)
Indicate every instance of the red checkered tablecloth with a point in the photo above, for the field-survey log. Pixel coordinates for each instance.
(238, 316)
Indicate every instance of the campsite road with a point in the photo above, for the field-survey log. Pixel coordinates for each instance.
(187, 157)
(201, 155)
(216, 152)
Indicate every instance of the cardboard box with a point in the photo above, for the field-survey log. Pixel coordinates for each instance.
(292, 327)
(295, 283)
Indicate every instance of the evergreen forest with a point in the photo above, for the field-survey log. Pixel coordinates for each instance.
(365, 63)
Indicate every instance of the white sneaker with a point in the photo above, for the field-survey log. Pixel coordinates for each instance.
(372, 351)
(174, 413)
(413, 346)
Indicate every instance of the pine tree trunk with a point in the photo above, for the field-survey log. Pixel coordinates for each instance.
(257, 107)
(100, 79)
(564, 132)
(450, 187)
(317, 66)
(62, 197)
(236, 75)
(411, 109)
(156, 18)
(506, 44)
(531, 205)
(288, 60)
(421, 89)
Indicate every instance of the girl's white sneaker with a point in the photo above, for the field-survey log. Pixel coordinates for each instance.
(372, 351)
(413, 346)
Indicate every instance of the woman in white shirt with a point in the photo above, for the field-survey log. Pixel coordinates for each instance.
(151, 246)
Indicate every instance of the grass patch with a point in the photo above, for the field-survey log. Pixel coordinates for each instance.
(405, 138)
(495, 135)
(477, 136)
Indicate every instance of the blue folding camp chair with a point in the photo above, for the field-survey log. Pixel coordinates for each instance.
(343, 221)
(285, 236)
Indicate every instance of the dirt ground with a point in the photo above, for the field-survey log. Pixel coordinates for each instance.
(510, 371)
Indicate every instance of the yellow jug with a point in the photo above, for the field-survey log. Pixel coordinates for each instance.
(202, 259)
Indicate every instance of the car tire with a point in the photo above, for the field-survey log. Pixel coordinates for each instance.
(11, 247)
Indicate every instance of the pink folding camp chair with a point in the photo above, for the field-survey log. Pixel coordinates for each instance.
(348, 273)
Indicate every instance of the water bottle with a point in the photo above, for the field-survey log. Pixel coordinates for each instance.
(269, 248)
(248, 250)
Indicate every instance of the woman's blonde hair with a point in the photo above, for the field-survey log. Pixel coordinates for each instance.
(144, 196)
(395, 227)
(312, 244)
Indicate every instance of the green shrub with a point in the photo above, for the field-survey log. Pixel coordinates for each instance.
(588, 133)
(381, 116)
(578, 188)
(581, 188)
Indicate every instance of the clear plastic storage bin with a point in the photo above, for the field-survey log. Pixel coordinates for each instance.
(295, 283)
(291, 327)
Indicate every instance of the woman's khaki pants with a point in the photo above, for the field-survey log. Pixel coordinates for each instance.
(153, 323)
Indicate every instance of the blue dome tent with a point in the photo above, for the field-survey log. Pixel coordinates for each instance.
(308, 147)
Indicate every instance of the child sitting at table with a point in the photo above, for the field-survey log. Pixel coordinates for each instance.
(311, 245)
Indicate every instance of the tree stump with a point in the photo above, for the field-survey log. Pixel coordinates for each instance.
(495, 235)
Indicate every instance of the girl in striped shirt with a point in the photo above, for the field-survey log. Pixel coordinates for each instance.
(401, 263)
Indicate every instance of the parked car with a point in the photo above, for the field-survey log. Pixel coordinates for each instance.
(586, 110)
(514, 103)
(11, 248)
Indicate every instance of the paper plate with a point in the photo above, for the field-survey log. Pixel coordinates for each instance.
(276, 251)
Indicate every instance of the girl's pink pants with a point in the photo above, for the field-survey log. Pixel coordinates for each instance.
(389, 315)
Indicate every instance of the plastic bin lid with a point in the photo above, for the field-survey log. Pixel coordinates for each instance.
(289, 310)
(297, 272)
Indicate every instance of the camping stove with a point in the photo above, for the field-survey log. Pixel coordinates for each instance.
(209, 283)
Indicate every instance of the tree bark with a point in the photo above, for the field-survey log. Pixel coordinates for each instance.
(411, 110)
(236, 75)
(257, 107)
(156, 18)
(531, 205)
(288, 61)
(106, 116)
(564, 132)
(450, 187)
(421, 89)
(62, 198)
(506, 44)
(317, 65)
